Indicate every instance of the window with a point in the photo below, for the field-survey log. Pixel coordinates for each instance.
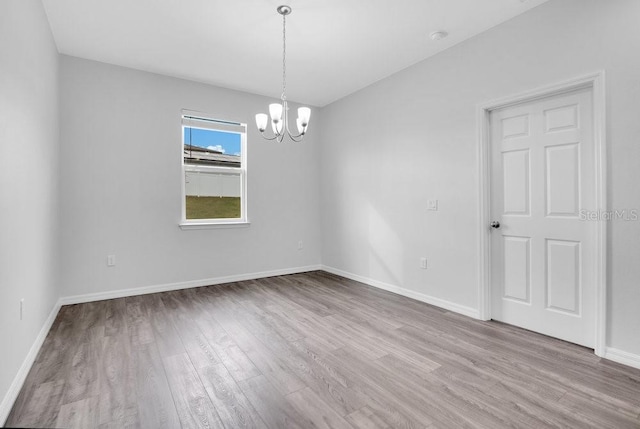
(214, 171)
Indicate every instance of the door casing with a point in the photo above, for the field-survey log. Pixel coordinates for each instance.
(594, 82)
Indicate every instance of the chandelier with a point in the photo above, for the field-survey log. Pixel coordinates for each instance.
(280, 111)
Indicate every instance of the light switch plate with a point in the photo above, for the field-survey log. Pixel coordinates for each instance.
(432, 205)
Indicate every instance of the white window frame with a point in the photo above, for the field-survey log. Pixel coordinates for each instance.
(212, 122)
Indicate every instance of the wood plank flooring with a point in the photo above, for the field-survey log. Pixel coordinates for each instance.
(310, 350)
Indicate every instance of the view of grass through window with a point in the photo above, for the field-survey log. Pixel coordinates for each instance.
(212, 207)
(213, 171)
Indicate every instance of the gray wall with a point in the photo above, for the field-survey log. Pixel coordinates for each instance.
(121, 181)
(28, 181)
(416, 132)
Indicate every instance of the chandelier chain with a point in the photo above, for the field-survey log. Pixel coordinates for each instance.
(284, 55)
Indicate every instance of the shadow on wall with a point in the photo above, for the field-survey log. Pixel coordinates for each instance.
(386, 253)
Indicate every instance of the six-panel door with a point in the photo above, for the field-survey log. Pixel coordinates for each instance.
(542, 275)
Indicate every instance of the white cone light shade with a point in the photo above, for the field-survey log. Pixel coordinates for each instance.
(261, 121)
(300, 126)
(276, 127)
(304, 113)
(275, 110)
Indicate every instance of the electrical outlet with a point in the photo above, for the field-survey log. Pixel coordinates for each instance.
(423, 263)
(432, 205)
(21, 308)
(300, 245)
(111, 260)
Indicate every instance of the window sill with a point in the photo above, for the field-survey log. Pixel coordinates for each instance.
(213, 225)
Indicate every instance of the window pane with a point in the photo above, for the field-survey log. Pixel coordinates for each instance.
(212, 195)
(212, 147)
(214, 174)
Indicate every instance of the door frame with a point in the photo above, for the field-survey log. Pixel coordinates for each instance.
(594, 82)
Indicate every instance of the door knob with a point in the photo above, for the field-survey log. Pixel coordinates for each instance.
(495, 224)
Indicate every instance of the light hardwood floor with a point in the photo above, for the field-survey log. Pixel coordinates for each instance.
(311, 350)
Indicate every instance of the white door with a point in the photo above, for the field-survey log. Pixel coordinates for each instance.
(542, 184)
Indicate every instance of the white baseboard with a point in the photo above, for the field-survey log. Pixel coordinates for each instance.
(447, 305)
(622, 357)
(12, 394)
(121, 293)
(18, 381)
(613, 354)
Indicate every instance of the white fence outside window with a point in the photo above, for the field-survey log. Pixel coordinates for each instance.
(201, 183)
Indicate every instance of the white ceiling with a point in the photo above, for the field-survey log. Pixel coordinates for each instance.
(334, 47)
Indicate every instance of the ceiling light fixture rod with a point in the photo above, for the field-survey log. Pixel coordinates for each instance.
(280, 112)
